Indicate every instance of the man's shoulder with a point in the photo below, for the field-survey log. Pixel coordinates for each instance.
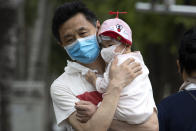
(174, 101)
(168, 106)
(60, 83)
(173, 98)
(172, 108)
(61, 78)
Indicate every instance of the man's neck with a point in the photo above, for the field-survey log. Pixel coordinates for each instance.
(98, 65)
(193, 74)
(186, 76)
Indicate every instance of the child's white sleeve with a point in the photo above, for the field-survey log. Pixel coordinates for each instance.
(102, 82)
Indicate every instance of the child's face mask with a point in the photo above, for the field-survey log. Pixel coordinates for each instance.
(109, 53)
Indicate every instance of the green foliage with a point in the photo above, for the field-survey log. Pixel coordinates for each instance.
(188, 22)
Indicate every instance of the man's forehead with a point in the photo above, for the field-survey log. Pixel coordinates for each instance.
(76, 24)
(77, 21)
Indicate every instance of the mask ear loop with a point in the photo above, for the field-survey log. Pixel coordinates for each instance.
(122, 51)
(99, 39)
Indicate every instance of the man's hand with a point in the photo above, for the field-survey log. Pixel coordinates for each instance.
(125, 73)
(84, 110)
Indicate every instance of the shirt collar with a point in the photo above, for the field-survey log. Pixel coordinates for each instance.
(190, 84)
(74, 67)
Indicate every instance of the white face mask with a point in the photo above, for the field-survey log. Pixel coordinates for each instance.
(109, 53)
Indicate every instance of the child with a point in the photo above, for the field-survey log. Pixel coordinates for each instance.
(136, 103)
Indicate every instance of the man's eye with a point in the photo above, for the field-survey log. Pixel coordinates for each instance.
(83, 33)
(69, 40)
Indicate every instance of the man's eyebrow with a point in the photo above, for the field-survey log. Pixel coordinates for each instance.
(82, 28)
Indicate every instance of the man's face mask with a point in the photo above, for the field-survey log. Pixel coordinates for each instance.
(85, 50)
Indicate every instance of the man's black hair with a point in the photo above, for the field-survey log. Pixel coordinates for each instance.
(68, 10)
(187, 51)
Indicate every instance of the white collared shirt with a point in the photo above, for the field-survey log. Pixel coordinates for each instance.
(68, 89)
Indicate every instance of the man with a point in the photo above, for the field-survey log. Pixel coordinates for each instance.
(75, 28)
(178, 111)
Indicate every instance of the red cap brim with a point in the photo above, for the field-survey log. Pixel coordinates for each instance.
(116, 36)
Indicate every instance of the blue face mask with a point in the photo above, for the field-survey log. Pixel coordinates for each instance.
(85, 50)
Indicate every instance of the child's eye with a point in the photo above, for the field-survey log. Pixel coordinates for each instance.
(107, 43)
(102, 45)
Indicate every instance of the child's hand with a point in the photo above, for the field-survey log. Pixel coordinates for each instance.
(91, 78)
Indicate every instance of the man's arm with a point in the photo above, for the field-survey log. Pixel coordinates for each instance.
(120, 76)
(102, 118)
(86, 109)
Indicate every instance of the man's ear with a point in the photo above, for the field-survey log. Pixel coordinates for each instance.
(178, 66)
(98, 26)
(59, 43)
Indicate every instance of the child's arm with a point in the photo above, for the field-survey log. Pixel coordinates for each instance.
(91, 78)
(100, 83)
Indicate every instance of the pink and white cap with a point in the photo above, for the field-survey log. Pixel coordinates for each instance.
(117, 29)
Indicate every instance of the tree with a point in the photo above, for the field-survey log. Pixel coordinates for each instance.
(8, 38)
